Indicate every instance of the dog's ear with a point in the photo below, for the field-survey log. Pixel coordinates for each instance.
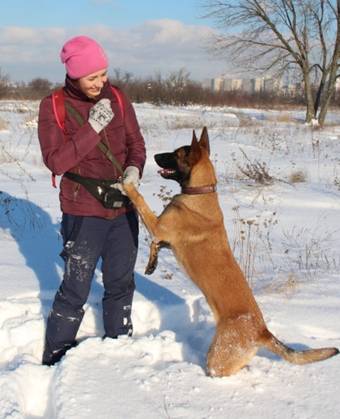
(194, 138)
(204, 140)
(195, 150)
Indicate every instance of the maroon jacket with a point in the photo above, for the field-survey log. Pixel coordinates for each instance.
(76, 150)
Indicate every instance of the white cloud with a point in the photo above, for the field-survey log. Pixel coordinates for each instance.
(160, 45)
(166, 31)
(15, 35)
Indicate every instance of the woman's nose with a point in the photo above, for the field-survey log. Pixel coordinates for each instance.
(99, 84)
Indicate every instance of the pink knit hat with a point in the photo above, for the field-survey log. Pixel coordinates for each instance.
(83, 56)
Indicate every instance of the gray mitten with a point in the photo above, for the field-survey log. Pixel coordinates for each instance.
(131, 175)
(100, 115)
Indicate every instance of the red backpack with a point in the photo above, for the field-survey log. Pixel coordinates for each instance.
(58, 104)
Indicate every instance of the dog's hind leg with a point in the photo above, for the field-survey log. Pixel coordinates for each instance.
(233, 346)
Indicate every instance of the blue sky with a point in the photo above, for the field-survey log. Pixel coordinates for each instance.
(143, 37)
(119, 13)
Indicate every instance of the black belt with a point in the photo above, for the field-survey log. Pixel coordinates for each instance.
(102, 190)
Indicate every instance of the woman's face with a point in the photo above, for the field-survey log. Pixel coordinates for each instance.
(92, 84)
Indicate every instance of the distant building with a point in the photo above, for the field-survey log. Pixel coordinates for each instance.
(217, 84)
(271, 85)
(248, 85)
(258, 85)
(236, 84)
(251, 85)
(286, 85)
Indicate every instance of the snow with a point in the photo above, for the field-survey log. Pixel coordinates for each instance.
(289, 230)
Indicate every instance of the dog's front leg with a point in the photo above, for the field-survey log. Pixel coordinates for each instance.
(155, 247)
(153, 258)
(148, 217)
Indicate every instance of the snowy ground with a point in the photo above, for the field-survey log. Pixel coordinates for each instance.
(286, 236)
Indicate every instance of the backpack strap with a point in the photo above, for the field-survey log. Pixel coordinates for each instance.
(58, 105)
(119, 98)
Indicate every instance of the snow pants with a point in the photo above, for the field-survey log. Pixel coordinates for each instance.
(86, 240)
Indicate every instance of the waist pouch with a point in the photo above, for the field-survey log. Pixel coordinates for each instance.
(102, 190)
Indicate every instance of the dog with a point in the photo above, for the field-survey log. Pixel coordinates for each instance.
(192, 226)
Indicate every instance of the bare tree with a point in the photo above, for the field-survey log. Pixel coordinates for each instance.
(277, 35)
(38, 88)
(4, 84)
(121, 77)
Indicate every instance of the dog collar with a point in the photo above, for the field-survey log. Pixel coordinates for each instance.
(198, 190)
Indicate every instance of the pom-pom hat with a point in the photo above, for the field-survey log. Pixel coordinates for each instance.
(83, 56)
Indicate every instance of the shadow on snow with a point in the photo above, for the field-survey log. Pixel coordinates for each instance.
(40, 243)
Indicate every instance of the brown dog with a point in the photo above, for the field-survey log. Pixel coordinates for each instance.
(192, 225)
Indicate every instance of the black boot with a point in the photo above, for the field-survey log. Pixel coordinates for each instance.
(52, 357)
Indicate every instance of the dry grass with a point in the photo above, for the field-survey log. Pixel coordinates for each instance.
(165, 195)
(298, 176)
(252, 241)
(256, 171)
(3, 124)
(337, 182)
(309, 251)
(30, 118)
(283, 117)
(284, 284)
(246, 120)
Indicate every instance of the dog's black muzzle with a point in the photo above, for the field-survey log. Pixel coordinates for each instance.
(166, 160)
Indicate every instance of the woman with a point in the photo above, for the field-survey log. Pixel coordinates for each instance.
(93, 228)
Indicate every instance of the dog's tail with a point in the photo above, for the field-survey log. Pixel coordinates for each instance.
(270, 342)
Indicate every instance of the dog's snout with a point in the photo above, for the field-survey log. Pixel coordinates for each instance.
(164, 159)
